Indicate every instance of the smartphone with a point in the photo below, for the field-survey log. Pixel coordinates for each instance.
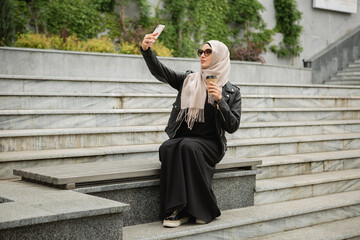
(159, 29)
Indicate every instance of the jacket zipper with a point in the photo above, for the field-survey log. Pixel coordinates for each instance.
(221, 130)
(177, 128)
(220, 112)
(223, 144)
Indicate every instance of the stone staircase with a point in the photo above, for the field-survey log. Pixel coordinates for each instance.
(49, 121)
(348, 76)
(308, 137)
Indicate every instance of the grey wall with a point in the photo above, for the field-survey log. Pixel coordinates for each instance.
(321, 29)
(67, 64)
(337, 56)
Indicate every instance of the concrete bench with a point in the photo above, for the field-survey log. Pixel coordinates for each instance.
(136, 183)
(72, 175)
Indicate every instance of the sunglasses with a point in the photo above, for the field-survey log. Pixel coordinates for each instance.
(207, 52)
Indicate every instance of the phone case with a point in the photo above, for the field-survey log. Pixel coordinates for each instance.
(159, 29)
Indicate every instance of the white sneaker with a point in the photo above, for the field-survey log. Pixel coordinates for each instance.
(199, 221)
(177, 218)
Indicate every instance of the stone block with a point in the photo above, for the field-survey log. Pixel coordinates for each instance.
(283, 195)
(317, 167)
(352, 163)
(333, 165)
(99, 227)
(232, 190)
(40, 212)
(336, 187)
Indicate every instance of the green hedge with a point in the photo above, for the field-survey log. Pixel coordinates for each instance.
(76, 24)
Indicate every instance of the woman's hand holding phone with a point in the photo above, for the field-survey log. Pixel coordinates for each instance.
(150, 39)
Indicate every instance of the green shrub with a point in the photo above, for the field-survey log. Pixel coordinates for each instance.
(103, 45)
(128, 48)
(7, 25)
(288, 23)
(72, 43)
(160, 50)
(76, 16)
(30, 40)
(189, 23)
(21, 16)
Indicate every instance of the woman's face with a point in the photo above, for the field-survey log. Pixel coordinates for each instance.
(205, 61)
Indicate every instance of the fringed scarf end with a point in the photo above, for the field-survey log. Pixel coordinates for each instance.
(191, 116)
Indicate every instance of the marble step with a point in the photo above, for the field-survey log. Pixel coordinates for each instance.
(355, 82)
(16, 84)
(336, 230)
(354, 65)
(352, 69)
(259, 220)
(307, 163)
(349, 73)
(45, 139)
(306, 186)
(294, 101)
(64, 138)
(80, 85)
(37, 101)
(294, 128)
(43, 119)
(260, 147)
(236, 148)
(355, 79)
(292, 89)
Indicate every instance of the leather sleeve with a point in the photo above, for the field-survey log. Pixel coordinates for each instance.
(230, 112)
(161, 72)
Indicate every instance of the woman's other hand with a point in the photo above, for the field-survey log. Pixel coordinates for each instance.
(148, 41)
(215, 90)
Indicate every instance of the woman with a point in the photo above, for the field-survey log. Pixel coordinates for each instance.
(200, 116)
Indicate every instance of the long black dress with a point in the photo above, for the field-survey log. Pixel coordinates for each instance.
(187, 169)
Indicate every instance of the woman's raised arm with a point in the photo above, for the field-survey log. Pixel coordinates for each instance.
(157, 69)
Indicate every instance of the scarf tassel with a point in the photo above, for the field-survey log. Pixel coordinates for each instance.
(191, 116)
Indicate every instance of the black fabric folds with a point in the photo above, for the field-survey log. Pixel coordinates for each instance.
(187, 171)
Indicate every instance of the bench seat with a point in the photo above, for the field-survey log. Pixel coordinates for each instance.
(70, 175)
(136, 183)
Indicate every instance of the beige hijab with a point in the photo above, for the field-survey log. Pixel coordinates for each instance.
(194, 90)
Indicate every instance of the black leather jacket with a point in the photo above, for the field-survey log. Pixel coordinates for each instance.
(229, 107)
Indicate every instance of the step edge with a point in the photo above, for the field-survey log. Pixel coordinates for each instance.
(131, 129)
(169, 95)
(96, 151)
(162, 110)
(266, 185)
(335, 235)
(306, 157)
(240, 222)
